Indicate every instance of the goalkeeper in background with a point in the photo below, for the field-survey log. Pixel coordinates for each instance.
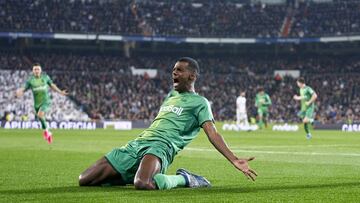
(262, 103)
(307, 98)
(39, 82)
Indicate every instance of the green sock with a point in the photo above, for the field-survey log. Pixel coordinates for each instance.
(43, 123)
(261, 124)
(165, 182)
(306, 127)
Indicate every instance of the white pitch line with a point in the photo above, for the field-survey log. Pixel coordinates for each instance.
(298, 146)
(279, 152)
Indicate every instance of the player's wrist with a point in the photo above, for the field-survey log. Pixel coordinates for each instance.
(234, 160)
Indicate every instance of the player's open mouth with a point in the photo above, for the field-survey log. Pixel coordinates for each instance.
(175, 81)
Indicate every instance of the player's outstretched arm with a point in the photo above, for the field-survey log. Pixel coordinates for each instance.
(56, 89)
(219, 143)
(297, 97)
(20, 92)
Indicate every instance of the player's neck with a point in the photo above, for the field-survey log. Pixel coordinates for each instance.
(190, 89)
(187, 91)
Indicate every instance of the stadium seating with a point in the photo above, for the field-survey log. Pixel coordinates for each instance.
(114, 93)
(167, 18)
(327, 19)
(12, 108)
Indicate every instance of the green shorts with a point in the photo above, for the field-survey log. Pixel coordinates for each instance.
(45, 107)
(308, 113)
(126, 160)
(263, 112)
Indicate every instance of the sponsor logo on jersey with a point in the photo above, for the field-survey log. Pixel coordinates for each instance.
(172, 108)
(40, 88)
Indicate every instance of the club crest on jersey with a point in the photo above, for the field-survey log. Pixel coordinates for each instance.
(172, 108)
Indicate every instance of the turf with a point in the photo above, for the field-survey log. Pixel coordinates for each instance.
(290, 168)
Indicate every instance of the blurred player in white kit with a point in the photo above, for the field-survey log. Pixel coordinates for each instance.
(241, 116)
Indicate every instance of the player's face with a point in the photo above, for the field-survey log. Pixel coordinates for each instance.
(182, 77)
(299, 84)
(37, 71)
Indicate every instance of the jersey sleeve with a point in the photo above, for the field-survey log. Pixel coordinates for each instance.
(48, 80)
(204, 112)
(310, 91)
(268, 102)
(27, 85)
(256, 101)
(238, 102)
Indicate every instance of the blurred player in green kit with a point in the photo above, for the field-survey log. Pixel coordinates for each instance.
(307, 98)
(262, 103)
(143, 161)
(39, 82)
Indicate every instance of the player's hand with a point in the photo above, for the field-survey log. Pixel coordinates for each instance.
(296, 97)
(307, 103)
(64, 92)
(19, 93)
(243, 166)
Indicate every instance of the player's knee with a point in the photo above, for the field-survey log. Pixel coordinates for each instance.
(144, 185)
(83, 181)
(40, 114)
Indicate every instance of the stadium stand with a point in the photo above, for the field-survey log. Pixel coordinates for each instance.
(327, 19)
(103, 86)
(114, 93)
(21, 109)
(166, 18)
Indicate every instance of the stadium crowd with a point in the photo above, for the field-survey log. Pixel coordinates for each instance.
(252, 64)
(167, 18)
(105, 88)
(327, 19)
(12, 108)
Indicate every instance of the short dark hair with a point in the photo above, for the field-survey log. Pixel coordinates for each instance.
(192, 64)
(301, 80)
(260, 89)
(36, 64)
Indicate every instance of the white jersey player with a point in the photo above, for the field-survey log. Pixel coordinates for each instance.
(241, 116)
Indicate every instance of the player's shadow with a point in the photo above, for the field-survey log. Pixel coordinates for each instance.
(129, 190)
(69, 189)
(283, 187)
(242, 189)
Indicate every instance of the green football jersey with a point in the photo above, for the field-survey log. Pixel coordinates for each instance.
(39, 87)
(262, 101)
(179, 120)
(306, 94)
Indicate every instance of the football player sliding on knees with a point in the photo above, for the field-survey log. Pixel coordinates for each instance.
(143, 161)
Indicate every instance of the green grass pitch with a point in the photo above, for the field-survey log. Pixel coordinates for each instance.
(290, 168)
